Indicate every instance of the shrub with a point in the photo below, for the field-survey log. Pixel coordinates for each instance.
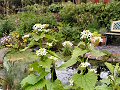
(86, 14)
(48, 18)
(6, 27)
(55, 8)
(70, 33)
(68, 12)
(27, 20)
(36, 8)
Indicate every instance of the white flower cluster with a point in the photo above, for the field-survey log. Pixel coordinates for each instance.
(40, 27)
(41, 52)
(85, 64)
(86, 34)
(53, 58)
(67, 44)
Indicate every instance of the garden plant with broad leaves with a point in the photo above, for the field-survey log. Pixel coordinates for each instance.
(40, 42)
(46, 64)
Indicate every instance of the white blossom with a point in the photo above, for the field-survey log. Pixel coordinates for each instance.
(67, 43)
(86, 34)
(37, 26)
(85, 64)
(41, 52)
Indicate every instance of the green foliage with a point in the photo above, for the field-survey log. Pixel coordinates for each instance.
(55, 8)
(87, 81)
(69, 33)
(6, 27)
(76, 52)
(67, 13)
(48, 18)
(27, 20)
(113, 80)
(110, 67)
(36, 8)
(100, 15)
(30, 79)
(55, 85)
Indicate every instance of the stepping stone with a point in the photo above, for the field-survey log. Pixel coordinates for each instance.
(3, 52)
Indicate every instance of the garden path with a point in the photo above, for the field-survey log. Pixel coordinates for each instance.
(114, 50)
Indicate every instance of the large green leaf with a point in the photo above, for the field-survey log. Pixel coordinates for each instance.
(110, 67)
(53, 54)
(87, 81)
(45, 63)
(76, 52)
(33, 79)
(31, 44)
(38, 86)
(103, 87)
(57, 85)
(50, 37)
(30, 79)
(38, 37)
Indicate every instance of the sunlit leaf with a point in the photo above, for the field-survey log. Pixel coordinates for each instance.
(76, 52)
(110, 67)
(57, 85)
(30, 79)
(45, 63)
(87, 81)
(37, 86)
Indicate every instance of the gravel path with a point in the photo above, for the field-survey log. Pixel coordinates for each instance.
(111, 49)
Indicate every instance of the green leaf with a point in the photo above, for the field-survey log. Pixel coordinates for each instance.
(76, 52)
(117, 80)
(87, 81)
(50, 37)
(37, 86)
(53, 54)
(103, 87)
(30, 79)
(46, 63)
(31, 44)
(57, 85)
(110, 67)
(36, 37)
(42, 35)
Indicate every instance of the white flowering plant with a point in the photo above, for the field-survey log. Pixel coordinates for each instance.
(40, 36)
(86, 36)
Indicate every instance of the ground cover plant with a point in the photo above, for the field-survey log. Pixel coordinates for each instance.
(38, 40)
